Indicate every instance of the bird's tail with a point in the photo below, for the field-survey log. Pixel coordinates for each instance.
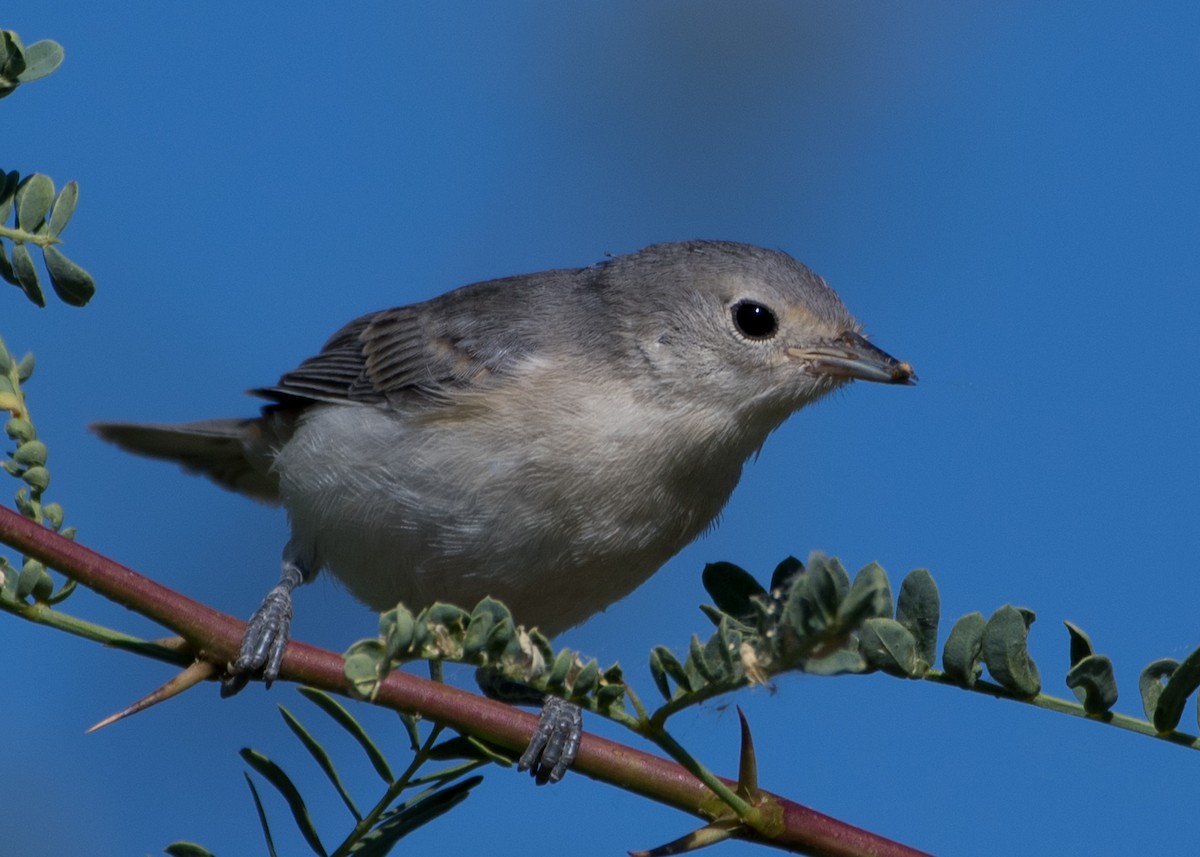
(236, 454)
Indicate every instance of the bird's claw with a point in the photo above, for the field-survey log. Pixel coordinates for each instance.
(264, 642)
(555, 741)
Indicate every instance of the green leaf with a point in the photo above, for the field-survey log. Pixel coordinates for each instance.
(25, 369)
(34, 580)
(400, 822)
(26, 274)
(784, 574)
(698, 660)
(321, 758)
(1093, 683)
(658, 674)
(464, 747)
(670, 665)
(963, 651)
(346, 720)
(828, 583)
(1151, 683)
(283, 784)
(64, 207)
(397, 628)
(262, 816)
(12, 61)
(34, 196)
(41, 58)
(8, 191)
(187, 849)
(1182, 683)
(365, 663)
(1081, 644)
(918, 609)
(556, 678)
(586, 679)
(869, 596)
(6, 268)
(846, 661)
(1006, 654)
(887, 645)
(722, 648)
(732, 588)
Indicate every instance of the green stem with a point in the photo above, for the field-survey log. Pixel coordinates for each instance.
(20, 236)
(41, 614)
(1066, 706)
(663, 740)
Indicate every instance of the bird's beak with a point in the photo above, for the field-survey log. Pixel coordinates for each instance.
(851, 356)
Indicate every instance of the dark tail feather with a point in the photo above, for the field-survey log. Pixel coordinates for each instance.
(233, 453)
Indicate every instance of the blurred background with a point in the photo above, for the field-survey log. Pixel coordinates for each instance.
(1006, 196)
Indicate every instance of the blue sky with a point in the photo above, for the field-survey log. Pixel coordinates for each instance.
(1008, 196)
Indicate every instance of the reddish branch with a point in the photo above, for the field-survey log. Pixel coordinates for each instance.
(215, 637)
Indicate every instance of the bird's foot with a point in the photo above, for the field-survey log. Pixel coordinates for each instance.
(555, 741)
(265, 639)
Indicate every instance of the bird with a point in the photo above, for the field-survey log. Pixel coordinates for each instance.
(548, 440)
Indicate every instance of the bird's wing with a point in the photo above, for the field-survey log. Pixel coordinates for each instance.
(428, 350)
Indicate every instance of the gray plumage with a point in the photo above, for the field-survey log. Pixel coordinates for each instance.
(548, 439)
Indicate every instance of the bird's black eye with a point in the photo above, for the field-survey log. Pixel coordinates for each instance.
(754, 320)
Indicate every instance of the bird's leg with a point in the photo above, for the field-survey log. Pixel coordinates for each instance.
(267, 631)
(556, 739)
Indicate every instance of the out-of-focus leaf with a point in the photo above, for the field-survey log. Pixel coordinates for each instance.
(963, 652)
(784, 574)
(1006, 653)
(732, 588)
(283, 784)
(1081, 644)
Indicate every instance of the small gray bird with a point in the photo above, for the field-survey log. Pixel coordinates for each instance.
(549, 440)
